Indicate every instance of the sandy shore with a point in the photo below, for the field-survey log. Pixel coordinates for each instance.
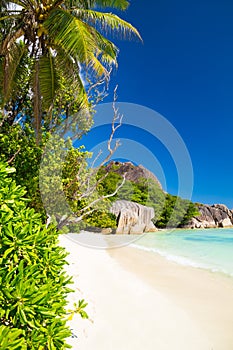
(139, 300)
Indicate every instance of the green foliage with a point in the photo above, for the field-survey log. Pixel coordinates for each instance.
(101, 218)
(59, 174)
(63, 174)
(12, 339)
(78, 308)
(34, 285)
(176, 212)
(190, 213)
(109, 184)
(74, 171)
(19, 147)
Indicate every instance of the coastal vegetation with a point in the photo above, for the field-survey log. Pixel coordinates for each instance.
(34, 284)
(55, 63)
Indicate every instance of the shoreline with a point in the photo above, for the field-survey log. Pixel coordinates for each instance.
(138, 299)
(205, 295)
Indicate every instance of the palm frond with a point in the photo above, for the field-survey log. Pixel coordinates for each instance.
(48, 79)
(97, 67)
(72, 79)
(88, 4)
(81, 98)
(10, 40)
(13, 69)
(79, 40)
(107, 22)
(118, 4)
(10, 16)
(83, 4)
(71, 34)
(107, 50)
(27, 4)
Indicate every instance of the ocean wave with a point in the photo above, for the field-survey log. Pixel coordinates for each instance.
(181, 260)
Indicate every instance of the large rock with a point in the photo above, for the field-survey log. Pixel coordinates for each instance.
(225, 223)
(211, 216)
(132, 172)
(133, 218)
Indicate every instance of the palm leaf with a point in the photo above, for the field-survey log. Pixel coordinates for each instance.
(79, 40)
(71, 75)
(27, 4)
(97, 67)
(15, 15)
(84, 4)
(48, 79)
(118, 4)
(71, 34)
(13, 69)
(88, 4)
(107, 22)
(10, 40)
(107, 50)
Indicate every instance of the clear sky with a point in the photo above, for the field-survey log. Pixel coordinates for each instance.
(184, 71)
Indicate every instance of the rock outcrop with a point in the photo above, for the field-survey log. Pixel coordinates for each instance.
(211, 216)
(133, 173)
(133, 218)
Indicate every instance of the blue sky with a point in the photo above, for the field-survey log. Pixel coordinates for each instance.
(184, 71)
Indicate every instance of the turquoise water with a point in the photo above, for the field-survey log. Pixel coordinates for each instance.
(211, 249)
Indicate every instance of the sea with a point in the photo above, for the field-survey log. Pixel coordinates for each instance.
(210, 249)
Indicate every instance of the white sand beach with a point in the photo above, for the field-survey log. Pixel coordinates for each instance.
(140, 300)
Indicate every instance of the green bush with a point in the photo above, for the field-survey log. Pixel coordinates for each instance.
(102, 219)
(176, 212)
(18, 145)
(34, 286)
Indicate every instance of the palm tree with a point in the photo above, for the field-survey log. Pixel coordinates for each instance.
(57, 39)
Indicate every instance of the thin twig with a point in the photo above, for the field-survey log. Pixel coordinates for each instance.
(13, 157)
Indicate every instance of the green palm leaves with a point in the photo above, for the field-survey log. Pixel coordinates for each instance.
(60, 37)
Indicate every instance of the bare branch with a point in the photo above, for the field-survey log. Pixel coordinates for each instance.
(116, 123)
(93, 188)
(94, 170)
(106, 196)
(95, 91)
(88, 209)
(13, 157)
(89, 184)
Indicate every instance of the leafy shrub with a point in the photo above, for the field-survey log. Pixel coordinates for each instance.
(18, 145)
(102, 219)
(11, 339)
(34, 286)
(176, 212)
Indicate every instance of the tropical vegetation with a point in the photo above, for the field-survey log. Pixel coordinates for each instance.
(55, 63)
(34, 285)
(49, 50)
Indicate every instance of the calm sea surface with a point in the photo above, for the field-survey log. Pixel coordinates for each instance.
(211, 249)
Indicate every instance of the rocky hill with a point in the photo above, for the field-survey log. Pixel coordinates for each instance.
(163, 204)
(133, 173)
